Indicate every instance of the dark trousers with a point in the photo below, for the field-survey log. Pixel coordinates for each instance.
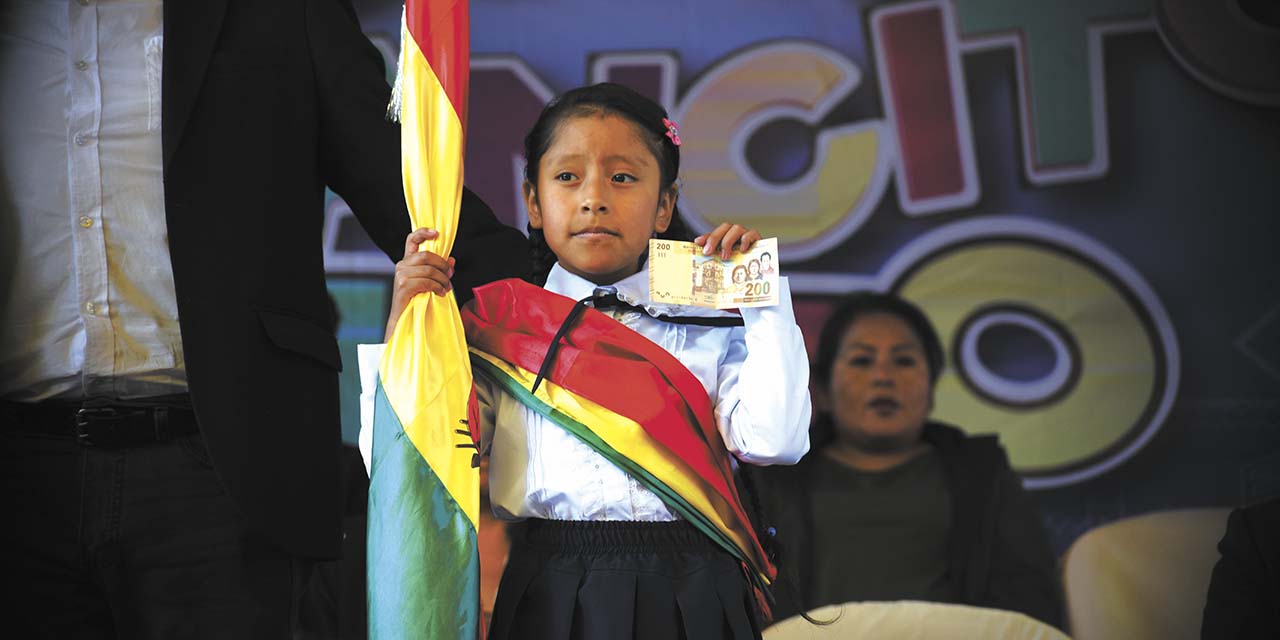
(134, 542)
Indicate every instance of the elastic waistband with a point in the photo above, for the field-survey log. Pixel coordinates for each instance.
(611, 535)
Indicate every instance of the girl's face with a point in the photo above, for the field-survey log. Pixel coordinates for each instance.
(879, 393)
(599, 197)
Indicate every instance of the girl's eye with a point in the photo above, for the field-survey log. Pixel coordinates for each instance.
(623, 177)
(905, 361)
(564, 176)
(860, 361)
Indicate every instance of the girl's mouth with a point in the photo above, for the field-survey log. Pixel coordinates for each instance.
(591, 232)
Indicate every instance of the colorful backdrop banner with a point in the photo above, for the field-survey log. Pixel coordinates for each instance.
(423, 562)
(1080, 195)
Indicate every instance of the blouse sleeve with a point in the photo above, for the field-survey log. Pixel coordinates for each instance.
(762, 407)
(369, 356)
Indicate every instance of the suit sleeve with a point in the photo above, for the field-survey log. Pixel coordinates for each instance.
(485, 249)
(359, 149)
(360, 155)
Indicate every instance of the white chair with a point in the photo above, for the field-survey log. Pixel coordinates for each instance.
(1143, 577)
(911, 620)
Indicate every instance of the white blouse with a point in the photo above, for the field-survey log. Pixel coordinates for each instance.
(757, 377)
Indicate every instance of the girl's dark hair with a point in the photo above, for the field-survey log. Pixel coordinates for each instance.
(604, 99)
(837, 325)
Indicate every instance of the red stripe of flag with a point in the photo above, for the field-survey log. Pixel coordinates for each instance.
(443, 33)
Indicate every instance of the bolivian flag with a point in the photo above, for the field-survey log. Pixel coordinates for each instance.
(423, 561)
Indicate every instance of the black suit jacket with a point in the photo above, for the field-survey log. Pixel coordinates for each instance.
(263, 105)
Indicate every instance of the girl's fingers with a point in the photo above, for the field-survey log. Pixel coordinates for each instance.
(427, 259)
(412, 280)
(725, 238)
(711, 241)
(416, 238)
(409, 286)
(730, 240)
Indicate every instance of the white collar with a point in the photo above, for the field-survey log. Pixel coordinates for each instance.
(633, 289)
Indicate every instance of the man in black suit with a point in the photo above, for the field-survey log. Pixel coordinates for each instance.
(168, 365)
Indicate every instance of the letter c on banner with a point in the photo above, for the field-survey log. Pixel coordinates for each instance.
(787, 80)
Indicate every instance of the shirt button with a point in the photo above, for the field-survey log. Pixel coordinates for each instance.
(81, 139)
(82, 65)
(83, 3)
(86, 221)
(89, 308)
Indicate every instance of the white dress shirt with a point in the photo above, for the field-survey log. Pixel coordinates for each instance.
(757, 377)
(86, 295)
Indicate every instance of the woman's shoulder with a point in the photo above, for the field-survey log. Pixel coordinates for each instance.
(952, 443)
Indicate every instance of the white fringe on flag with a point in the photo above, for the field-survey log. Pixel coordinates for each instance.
(397, 89)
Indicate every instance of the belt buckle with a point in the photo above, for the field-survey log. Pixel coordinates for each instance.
(95, 425)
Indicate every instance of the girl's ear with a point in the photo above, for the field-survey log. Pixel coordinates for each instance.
(666, 208)
(531, 205)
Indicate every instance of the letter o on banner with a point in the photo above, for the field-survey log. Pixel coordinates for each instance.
(1107, 363)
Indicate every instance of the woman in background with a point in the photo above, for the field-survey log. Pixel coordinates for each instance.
(891, 505)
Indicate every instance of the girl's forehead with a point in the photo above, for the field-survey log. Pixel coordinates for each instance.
(599, 134)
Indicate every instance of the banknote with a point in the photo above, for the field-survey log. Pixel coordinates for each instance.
(680, 274)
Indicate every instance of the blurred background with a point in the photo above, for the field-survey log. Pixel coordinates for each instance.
(1083, 196)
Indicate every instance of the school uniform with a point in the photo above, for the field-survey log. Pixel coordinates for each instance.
(598, 553)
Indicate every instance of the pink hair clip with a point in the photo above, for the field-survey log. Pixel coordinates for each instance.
(673, 131)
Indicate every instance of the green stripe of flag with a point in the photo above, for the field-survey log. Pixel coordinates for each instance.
(421, 541)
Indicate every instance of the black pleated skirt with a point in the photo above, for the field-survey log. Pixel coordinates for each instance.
(618, 580)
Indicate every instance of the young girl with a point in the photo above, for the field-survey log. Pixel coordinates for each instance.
(615, 454)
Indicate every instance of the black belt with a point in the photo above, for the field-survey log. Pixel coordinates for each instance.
(102, 423)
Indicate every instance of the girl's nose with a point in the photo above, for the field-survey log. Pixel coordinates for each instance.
(593, 200)
(594, 205)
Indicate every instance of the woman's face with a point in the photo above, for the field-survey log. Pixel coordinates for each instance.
(753, 268)
(879, 393)
(739, 275)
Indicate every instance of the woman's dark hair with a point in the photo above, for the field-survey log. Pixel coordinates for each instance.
(852, 308)
(604, 99)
